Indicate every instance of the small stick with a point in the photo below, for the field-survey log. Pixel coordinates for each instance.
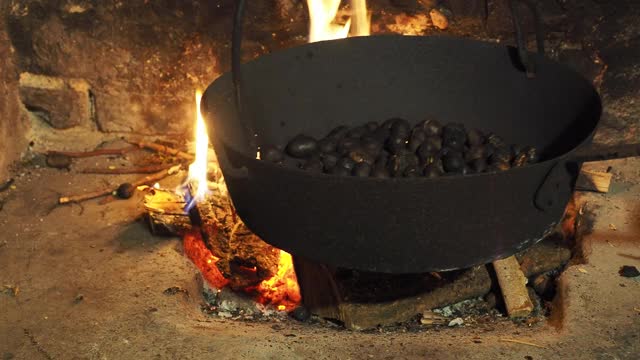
(99, 152)
(162, 149)
(523, 343)
(134, 170)
(513, 286)
(98, 193)
(7, 185)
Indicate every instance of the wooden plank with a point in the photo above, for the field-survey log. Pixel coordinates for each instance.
(594, 181)
(324, 295)
(513, 286)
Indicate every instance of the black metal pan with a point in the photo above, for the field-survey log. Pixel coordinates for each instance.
(402, 225)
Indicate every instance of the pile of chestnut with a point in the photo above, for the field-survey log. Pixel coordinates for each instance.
(396, 149)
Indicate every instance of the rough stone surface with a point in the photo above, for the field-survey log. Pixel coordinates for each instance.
(143, 60)
(63, 103)
(12, 119)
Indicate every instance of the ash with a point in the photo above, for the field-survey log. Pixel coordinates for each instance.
(228, 304)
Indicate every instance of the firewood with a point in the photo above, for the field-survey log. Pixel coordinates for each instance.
(597, 181)
(547, 255)
(244, 259)
(165, 213)
(513, 286)
(323, 294)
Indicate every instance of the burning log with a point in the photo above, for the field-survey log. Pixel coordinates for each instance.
(165, 213)
(513, 286)
(244, 259)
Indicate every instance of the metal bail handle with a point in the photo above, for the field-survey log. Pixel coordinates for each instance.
(524, 56)
(236, 51)
(236, 74)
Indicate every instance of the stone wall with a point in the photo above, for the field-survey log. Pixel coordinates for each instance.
(140, 61)
(13, 124)
(132, 66)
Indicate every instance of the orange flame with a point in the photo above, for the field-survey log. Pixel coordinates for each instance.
(322, 14)
(283, 287)
(198, 169)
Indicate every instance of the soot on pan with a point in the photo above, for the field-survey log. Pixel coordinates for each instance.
(397, 149)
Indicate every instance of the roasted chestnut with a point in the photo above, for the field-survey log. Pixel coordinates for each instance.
(357, 132)
(495, 141)
(432, 171)
(501, 155)
(302, 146)
(475, 152)
(359, 156)
(475, 137)
(327, 145)
(329, 160)
(400, 129)
(479, 165)
(396, 145)
(371, 145)
(532, 154)
(371, 126)
(416, 139)
(380, 173)
(397, 164)
(411, 171)
(340, 171)
(346, 162)
(453, 162)
(362, 170)
(338, 132)
(313, 165)
(431, 127)
(271, 153)
(347, 144)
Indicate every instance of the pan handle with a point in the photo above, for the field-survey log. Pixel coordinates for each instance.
(523, 54)
(556, 180)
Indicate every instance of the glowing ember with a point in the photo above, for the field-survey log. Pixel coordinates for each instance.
(283, 287)
(198, 169)
(196, 250)
(322, 14)
(281, 290)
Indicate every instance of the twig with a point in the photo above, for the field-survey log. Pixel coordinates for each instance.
(7, 185)
(134, 170)
(162, 149)
(37, 345)
(99, 152)
(98, 193)
(523, 343)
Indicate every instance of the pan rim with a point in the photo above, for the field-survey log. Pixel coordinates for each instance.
(250, 158)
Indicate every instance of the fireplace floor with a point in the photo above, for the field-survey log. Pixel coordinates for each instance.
(89, 283)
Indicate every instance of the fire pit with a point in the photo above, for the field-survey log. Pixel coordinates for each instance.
(124, 230)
